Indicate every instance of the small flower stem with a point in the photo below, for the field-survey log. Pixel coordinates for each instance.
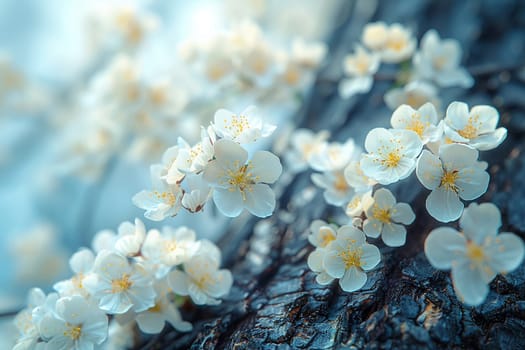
(9, 313)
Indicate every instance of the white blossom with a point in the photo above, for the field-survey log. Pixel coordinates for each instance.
(315, 263)
(130, 238)
(439, 60)
(455, 174)
(243, 128)
(391, 154)
(349, 257)
(360, 67)
(394, 43)
(477, 253)
(321, 233)
(75, 324)
(423, 121)
(153, 319)
(202, 279)
(171, 247)
(358, 204)
(308, 54)
(386, 218)
(355, 177)
(477, 128)
(193, 159)
(336, 189)
(333, 156)
(161, 202)
(238, 184)
(375, 35)
(26, 325)
(305, 144)
(415, 94)
(119, 285)
(198, 194)
(170, 172)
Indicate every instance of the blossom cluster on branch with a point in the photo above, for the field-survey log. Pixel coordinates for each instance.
(436, 64)
(443, 152)
(130, 277)
(216, 167)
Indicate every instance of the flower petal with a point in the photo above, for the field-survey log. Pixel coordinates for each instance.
(377, 138)
(489, 141)
(348, 232)
(350, 87)
(394, 235)
(472, 182)
(480, 221)
(352, 280)
(506, 252)
(266, 167)
(469, 283)
(372, 228)
(457, 156)
(230, 203)
(333, 264)
(444, 245)
(457, 115)
(384, 198)
(429, 170)
(370, 257)
(150, 323)
(444, 205)
(402, 117)
(229, 153)
(315, 260)
(402, 213)
(178, 282)
(260, 200)
(485, 118)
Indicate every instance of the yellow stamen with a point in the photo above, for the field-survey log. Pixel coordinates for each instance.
(380, 214)
(73, 331)
(327, 236)
(340, 183)
(469, 131)
(237, 125)
(352, 257)
(448, 180)
(392, 159)
(156, 308)
(417, 126)
(166, 197)
(475, 252)
(241, 179)
(121, 285)
(203, 281)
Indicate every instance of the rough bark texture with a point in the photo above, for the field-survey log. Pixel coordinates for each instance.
(275, 301)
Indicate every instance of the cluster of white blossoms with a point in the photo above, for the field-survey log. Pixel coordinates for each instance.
(443, 152)
(435, 64)
(215, 167)
(245, 60)
(126, 109)
(127, 278)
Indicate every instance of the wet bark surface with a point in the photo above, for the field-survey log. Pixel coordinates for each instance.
(405, 304)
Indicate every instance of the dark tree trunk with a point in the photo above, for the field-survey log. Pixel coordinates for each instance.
(275, 301)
